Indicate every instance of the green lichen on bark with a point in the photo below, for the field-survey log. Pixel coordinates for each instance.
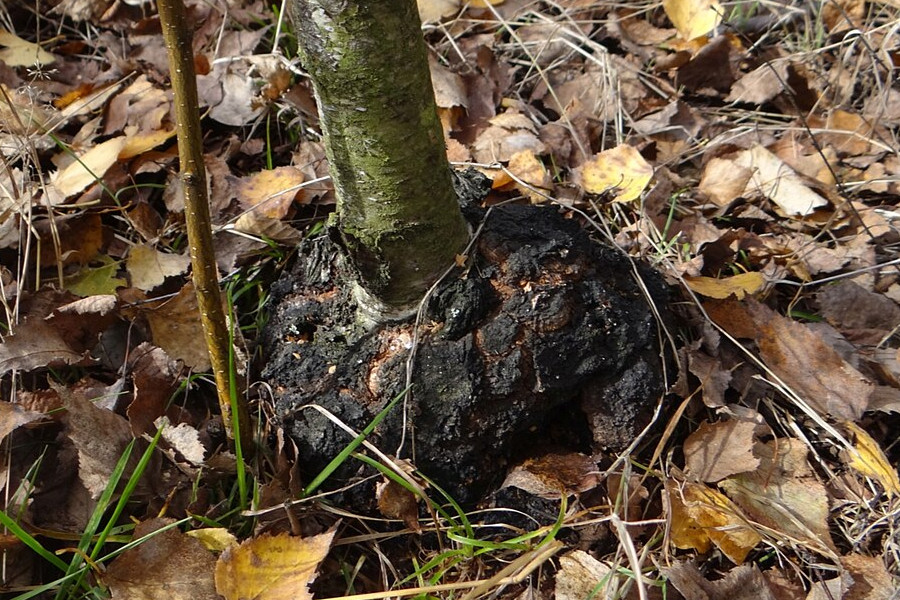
(397, 212)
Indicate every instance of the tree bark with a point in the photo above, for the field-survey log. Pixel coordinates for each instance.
(397, 214)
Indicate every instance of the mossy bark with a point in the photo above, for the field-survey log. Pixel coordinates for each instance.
(398, 217)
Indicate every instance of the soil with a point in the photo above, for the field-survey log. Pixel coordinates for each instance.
(543, 340)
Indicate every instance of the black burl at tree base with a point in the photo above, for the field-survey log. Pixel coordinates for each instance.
(543, 338)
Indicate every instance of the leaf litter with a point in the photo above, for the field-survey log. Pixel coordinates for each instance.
(751, 163)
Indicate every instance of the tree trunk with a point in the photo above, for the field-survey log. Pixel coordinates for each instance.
(398, 217)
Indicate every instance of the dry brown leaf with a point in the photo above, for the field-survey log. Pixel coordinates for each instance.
(745, 582)
(272, 567)
(582, 576)
(36, 344)
(552, 475)
(621, 171)
(713, 378)
(850, 307)
(868, 458)
(98, 434)
(149, 267)
(449, 87)
(13, 416)
(701, 516)
(798, 356)
(871, 580)
(716, 450)
(397, 502)
(722, 287)
(760, 85)
(772, 178)
(166, 566)
(155, 379)
(784, 493)
(723, 181)
(693, 18)
(848, 133)
(176, 328)
(510, 132)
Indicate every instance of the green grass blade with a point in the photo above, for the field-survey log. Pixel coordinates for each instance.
(338, 460)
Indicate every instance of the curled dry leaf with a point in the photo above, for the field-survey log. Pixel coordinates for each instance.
(397, 502)
(701, 516)
(552, 475)
(271, 192)
(868, 459)
(176, 328)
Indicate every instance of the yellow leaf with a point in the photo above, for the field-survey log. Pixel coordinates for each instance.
(271, 567)
(435, 10)
(20, 53)
(620, 170)
(738, 285)
(693, 18)
(142, 142)
(271, 192)
(90, 167)
(871, 461)
(701, 515)
(531, 172)
(216, 539)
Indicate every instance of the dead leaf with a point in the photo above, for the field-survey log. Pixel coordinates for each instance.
(184, 439)
(510, 132)
(868, 458)
(166, 566)
(431, 11)
(784, 493)
(552, 475)
(397, 502)
(722, 287)
(20, 53)
(799, 357)
(693, 18)
(271, 192)
(744, 582)
(149, 267)
(272, 567)
(772, 178)
(155, 378)
(582, 576)
(701, 516)
(871, 580)
(87, 169)
(621, 171)
(716, 450)
(176, 328)
(99, 435)
(13, 416)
